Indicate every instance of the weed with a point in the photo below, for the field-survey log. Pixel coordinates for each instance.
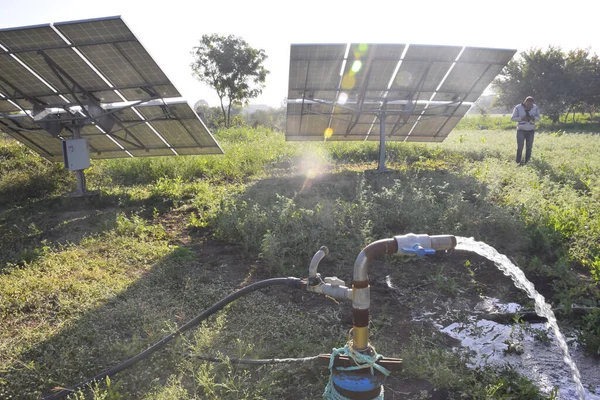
(589, 335)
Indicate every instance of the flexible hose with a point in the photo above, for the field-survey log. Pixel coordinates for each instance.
(292, 282)
(265, 361)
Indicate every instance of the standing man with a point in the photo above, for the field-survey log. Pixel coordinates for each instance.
(525, 114)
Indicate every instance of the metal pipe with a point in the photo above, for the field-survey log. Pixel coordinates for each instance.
(361, 292)
(338, 292)
(314, 263)
(403, 245)
(382, 117)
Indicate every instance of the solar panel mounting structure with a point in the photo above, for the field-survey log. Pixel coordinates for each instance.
(385, 92)
(85, 89)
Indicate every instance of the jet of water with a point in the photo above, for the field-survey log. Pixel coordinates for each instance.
(542, 308)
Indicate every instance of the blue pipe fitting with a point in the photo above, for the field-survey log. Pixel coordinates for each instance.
(357, 382)
(418, 250)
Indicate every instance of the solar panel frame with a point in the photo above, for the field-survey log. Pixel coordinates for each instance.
(95, 30)
(114, 33)
(115, 38)
(7, 107)
(122, 65)
(388, 77)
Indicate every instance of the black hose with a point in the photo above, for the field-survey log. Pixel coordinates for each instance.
(292, 282)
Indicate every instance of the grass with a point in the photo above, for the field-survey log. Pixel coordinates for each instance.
(575, 123)
(85, 285)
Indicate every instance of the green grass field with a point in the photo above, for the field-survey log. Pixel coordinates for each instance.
(86, 284)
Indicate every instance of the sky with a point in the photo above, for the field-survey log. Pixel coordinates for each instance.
(170, 29)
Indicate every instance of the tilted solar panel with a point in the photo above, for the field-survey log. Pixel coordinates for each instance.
(155, 130)
(342, 92)
(77, 72)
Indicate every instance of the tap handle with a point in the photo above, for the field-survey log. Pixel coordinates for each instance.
(418, 250)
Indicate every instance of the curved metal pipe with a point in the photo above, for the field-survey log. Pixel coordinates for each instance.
(314, 263)
(384, 246)
(361, 292)
(361, 295)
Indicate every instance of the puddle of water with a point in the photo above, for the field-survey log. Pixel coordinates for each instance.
(541, 307)
(539, 361)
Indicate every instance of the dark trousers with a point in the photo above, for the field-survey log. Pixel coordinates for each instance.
(524, 137)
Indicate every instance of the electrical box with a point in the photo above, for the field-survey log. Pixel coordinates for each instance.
(76, 154)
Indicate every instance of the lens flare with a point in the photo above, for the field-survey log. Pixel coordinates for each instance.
(404, 78)
(312, 166)
(328, 133)
(342, 98)
(360, 50)
(348, 81)
(356, 66)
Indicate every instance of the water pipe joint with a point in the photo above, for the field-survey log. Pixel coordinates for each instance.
(417, 250)
(421, 245)
(331, 286)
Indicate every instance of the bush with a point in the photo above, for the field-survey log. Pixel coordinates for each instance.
(24, 175)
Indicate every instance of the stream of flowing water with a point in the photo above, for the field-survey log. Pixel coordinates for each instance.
(541, 307)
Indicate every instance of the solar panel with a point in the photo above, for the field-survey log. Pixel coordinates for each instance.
(93, 79)
(29, 38)
(155, 130)
(341, 92)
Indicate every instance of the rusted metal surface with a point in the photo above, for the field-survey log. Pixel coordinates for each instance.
(384, 246)
(360, 318)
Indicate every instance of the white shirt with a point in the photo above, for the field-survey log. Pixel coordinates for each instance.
(519, 113)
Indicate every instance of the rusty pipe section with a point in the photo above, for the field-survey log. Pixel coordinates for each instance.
(361, 291)
(410, 244)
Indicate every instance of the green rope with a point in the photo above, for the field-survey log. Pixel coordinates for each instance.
(361, 360)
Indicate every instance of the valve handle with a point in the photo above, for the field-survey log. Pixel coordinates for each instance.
(418, 250)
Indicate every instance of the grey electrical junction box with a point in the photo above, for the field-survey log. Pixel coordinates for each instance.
(76, 154)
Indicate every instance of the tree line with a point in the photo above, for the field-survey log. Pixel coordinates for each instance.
(562, 83)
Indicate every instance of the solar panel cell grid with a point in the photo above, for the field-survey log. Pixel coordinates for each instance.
(317, 51)
(20, 81)
(30, 38)
(201, 134)
(451, 75)
(95, 31)
(6, 107)
(175, 133)
(380, 75)
(100, 143)
(110, 49)
(107, 59)
(77, 68)
(142, 62)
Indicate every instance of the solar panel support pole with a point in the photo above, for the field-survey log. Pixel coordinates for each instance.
(381, 166)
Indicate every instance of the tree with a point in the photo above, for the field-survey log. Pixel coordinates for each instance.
(273, 118)
(561, 83)
(583, 69)
(538, 74)
(233, 68)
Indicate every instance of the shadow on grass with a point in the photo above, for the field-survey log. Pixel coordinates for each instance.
(29, 229)
(178, 287)
(566, 176)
